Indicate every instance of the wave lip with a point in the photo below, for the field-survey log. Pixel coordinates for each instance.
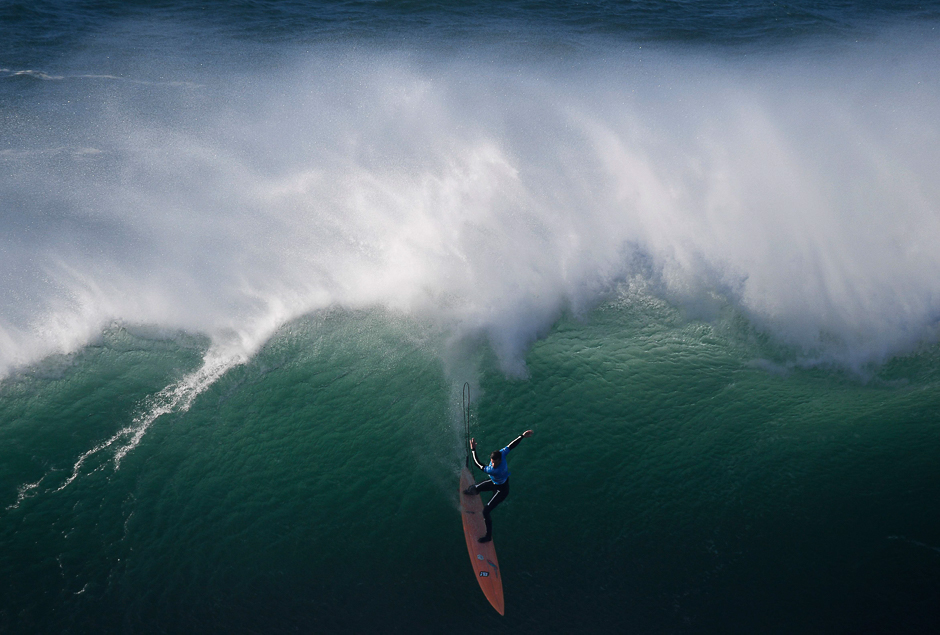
(487, 197)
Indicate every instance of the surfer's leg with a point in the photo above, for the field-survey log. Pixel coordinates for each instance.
(489, 526)
(498, 497)
(502, 491)
(485, 486)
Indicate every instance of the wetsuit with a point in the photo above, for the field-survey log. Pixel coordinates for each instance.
(498, 484)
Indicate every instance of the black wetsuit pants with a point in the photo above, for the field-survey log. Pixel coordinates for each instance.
(500, 493)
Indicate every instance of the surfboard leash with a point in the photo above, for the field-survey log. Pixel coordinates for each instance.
(466, 419)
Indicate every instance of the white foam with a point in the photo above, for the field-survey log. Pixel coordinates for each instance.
(175, 398)
(489, 196)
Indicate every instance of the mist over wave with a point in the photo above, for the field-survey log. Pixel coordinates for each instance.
(483, 193)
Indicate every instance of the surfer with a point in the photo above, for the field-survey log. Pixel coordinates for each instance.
(498, 470)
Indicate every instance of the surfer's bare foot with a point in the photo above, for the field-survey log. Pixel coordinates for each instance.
(484, 539)
(470, 491)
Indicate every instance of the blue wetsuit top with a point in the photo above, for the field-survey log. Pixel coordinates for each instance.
(500, 473)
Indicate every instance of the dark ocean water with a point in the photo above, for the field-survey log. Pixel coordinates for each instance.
(250, 253)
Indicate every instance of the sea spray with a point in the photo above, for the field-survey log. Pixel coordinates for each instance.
(487, 196)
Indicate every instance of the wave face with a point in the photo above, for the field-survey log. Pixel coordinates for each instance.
(252, 251)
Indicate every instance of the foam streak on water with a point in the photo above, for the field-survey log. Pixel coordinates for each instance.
(175, 398)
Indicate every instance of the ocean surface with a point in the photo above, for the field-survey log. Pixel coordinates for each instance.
(250, 252)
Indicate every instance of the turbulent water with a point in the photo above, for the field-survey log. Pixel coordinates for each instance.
(250, 253)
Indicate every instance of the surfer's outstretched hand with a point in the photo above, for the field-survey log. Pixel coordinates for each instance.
(473, 444)
(528, 433)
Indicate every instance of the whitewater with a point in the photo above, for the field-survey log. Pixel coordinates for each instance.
(484, 193)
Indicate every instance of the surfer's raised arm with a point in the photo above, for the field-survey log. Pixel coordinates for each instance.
(473, 453)
(515, 442)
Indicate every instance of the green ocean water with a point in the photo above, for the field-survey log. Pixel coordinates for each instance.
(683, 478)
(250, 252)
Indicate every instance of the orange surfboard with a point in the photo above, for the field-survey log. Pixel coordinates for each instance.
(482, 556)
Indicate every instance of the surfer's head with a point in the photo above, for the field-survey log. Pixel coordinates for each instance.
(496, 457)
